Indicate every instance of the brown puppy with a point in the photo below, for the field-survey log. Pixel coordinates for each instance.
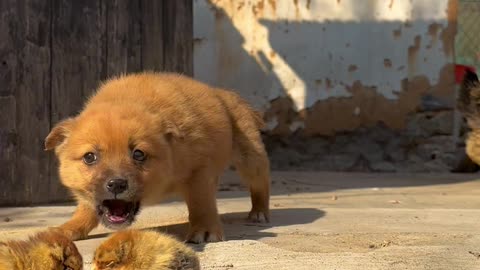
(49, 250)
(144, 250)
(145, 136)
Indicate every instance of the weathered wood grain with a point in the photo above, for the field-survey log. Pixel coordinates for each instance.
(178, 36)
(9, 69)
(152, 35)
(25, 110)
(79, 50)
(54, 54)
(124, 37)
(78, 59)
(33, 103)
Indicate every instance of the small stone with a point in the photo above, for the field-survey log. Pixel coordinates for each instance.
(334, 198)
(283, 158)
(436, 166)
(317, 146)
(432, 103)
(343, 161)
(356, 111)
(383, 166)
(430, 123)
(341, 139)
(361, 165)
(381, 133)
(395, 153)
(363, 145)
(449, 159)
(7, 219)
(428, 151)
(443, 140)
(476, 254)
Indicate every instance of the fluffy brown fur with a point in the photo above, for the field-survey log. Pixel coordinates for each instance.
(189, 133)
(49, 250)
(144, 250)
(469, 105)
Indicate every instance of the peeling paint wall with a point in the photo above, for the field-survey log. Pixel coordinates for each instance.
(325, 66)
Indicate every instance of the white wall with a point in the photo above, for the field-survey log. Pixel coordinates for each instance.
(315, 51)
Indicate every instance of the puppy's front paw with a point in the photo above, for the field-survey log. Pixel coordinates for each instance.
(70, 234)
(200, 235)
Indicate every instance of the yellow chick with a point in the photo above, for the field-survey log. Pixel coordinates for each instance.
(142, 250)
(48, 250)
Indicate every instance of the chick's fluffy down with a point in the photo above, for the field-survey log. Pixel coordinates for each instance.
(47, 250)
(142, 250)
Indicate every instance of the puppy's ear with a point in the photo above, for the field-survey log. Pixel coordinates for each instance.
(59, 133)
(469, 99)
(172, 132)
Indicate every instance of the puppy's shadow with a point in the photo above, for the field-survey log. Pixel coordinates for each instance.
(237, 227)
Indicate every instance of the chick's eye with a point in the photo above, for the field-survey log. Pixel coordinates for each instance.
(138, 155)
(89, 158)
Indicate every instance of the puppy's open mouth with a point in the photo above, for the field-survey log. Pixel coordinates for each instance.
(118, 212)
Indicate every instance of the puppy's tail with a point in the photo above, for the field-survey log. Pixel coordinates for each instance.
(240, 111)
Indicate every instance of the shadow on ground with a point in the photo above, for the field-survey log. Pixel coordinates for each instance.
(287, 183)
(236, 226)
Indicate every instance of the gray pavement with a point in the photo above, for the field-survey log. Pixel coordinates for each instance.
(319, 221)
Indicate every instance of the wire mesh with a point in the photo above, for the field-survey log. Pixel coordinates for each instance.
(467, 41)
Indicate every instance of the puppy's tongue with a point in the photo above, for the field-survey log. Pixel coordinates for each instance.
(116, 219)
(117, 211)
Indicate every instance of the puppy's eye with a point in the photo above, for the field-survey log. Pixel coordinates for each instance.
(89, 158)
(138, 155)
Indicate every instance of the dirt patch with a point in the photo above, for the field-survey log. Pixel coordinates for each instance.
(360, 242)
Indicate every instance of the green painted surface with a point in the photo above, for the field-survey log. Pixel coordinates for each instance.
(467, 41)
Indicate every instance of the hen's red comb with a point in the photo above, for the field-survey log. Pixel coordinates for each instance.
(460, 71)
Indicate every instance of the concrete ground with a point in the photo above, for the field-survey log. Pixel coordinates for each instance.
(319, 221)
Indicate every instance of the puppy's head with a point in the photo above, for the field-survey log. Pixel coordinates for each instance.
(112, 156)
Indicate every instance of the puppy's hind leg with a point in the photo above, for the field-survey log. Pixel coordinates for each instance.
(249, 155)
(251, 161)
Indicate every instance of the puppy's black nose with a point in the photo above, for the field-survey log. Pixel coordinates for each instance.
(117, 186)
